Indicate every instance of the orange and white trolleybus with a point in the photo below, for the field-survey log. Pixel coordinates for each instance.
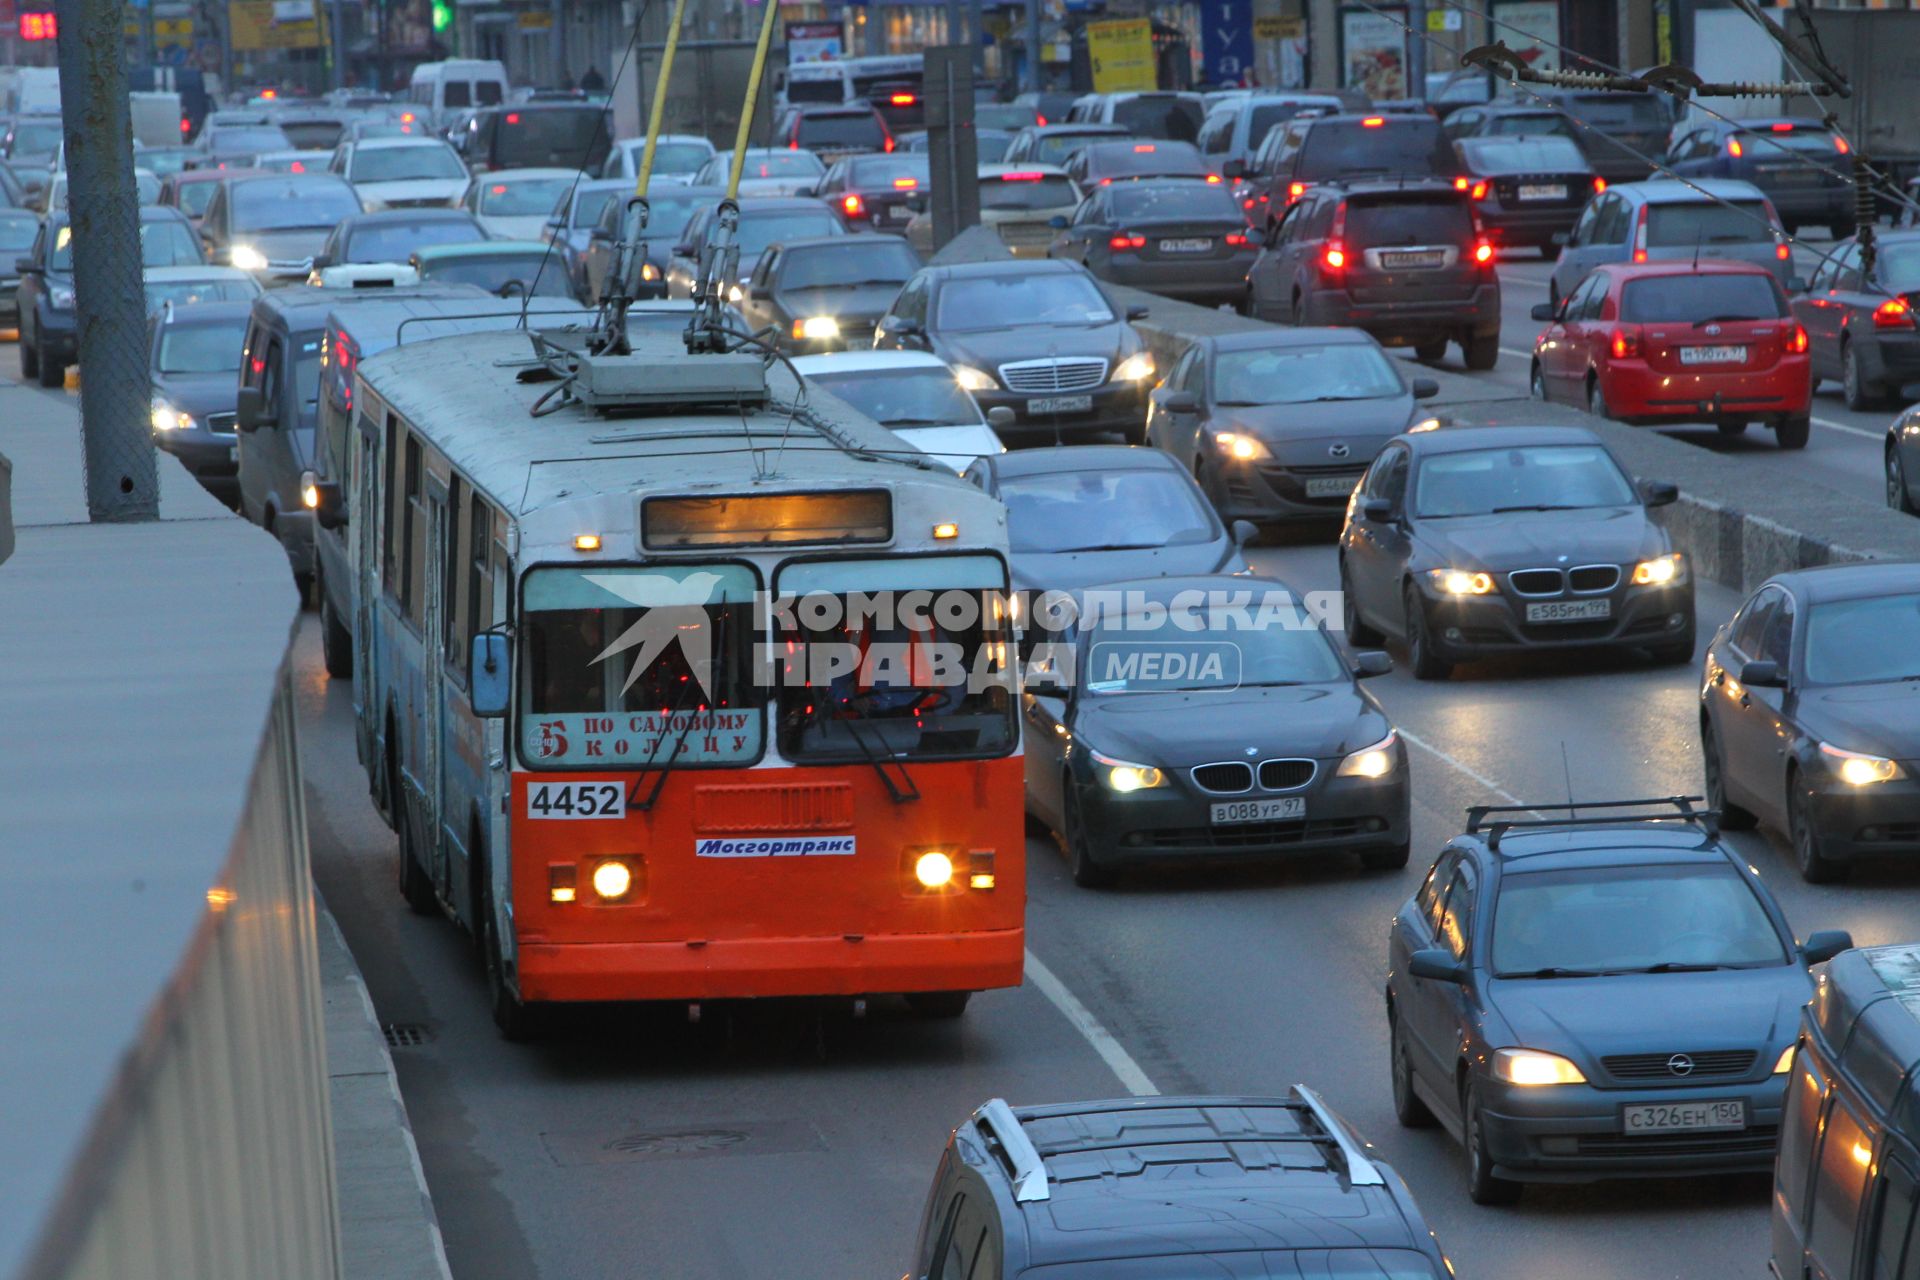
(679, 686)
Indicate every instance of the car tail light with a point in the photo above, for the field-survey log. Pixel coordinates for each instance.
(1479, 191)
(1461, 184)
(1373, 122)
(1236, 239)
(1734, 148)
(186, 125)
(1796, 341)
(1144, 148)
(889, 144)
(298, 166)
(1599, 184)
(1125, 240)
(1640, 236)
(1626, 342)
(1782, 251)
(1042, 120)
(906, 184)
(1894, 313)
(1782, 128)
(513, 117)
(903, 99)
(793, 144)
(853, 206)
(1483, 253)
(1335, 257)
(1295, 190)
(1021, 177)
(1840, 144)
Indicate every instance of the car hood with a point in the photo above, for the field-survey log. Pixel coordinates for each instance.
(1303, 434)
(285, 246)
(1524, 539)
(1882, 718)
(1587, 1018)
(990, 349)
(1072, 570)
(860, 302)
(448, 189)
(953, 446)
(199, 393)
(1178, 730)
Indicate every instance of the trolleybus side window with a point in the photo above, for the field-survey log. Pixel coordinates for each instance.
(452, 582)
(413, 578)
(478, 578)
(393, 496)
(627, 667)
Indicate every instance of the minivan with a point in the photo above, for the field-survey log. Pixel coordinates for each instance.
(1846, 1179)
(444, 89)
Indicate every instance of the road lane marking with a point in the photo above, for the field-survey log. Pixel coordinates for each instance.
(1136, 1081)
(1831, 425)
(1522, 355)
(1467, 769)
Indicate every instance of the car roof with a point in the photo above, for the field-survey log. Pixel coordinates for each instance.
(1851, 581)
(1004, 267)
(1692, 191)
(1753, 124)
(263, 175)
(1622, 844)
(208, 313)
(1277, 337)
(377, 217)
(213, 175)
(867, 360)
(1467, 439)
(1001, 170)
(308, 307)
(1083, 457)
(526, 174)
(400, 143)
(1078, 127)
(1682, 267)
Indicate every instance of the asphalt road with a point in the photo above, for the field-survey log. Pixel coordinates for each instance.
(776, 1143)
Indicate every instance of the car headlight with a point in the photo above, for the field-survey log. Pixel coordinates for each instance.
(735, 294)
(168, 418)
(61, 297)
(649, 272)
(247, 258)
(972, 379)
(1531, 1067)
(1124, 776)
(1375, 761)
(1857, 769)
(1241, 447)
(1660, 571)
(1785, 1063)
(1460, 582)
(816, 328)
(1137, 367)
(1425, 424)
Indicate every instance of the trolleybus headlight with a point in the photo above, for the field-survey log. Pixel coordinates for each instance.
(612, 879)
(933, 870)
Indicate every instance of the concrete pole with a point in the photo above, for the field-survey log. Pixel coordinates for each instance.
(115, 416)
(337, 38)
(1035, 80)
(562, 79)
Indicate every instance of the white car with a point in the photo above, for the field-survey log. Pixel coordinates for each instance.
(402, 173)
(293, 161)
(184, 286)
(768, 171)
(514, 204)
(676, 157)
(364, 275)
(914, 395)
(146, 185)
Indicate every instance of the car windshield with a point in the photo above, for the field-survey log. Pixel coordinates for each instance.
(1696, 299)
(817, 89)
(1865, 641)
(202, 348)
(313, 204)
(770, 164)
(1194, 648)
(1414, 220)
(1120, 160)
(313, 135)
(1176, 202)
(241, 142)
(868, 261)
(1055, 148)
(1171, 117)
(673, 157)
(1135, 509)
(496, 271)
(1539, 124)
(35, 140)
(186, 292)
(1026, 191)
(852, 129)
(1397, 145)
(1304, 374)
(523, 197)
(1630, 919)
(1630, 112)
(16, 237)
(1531, 478)
(1814, 142)
(405, 164)
(1899, 267)
(974, 304)
(760, 228)
(880, 171)
(668, 214)
(1263, 117)
(1691, 223)
(1293, 1264)
(395, 241)
(1523, 155)
(163, 243)
(923, 397)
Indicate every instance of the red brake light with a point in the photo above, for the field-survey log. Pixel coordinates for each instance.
(1894, 313)
(298, 166)
(1144, 148)
(1335, 257)
(186, 125)
(1840, 144)
(1126, 241)
(1734, 148)
(906, 184)
(1021, 177)
(1460, 184)
(1236, 239)
(1782, 128)
(854, 206)
(1106, 182)
(1479, 191)
(1373, 122)
(1483, 253)
(1797, 341)
(406, 117)
(1626, 342)
(1295, 190)
(269, 94)
(1640, 235)
(1042, 120)
(513, 117)
(1599, 184)
(903, 99)
(888, 145)
(498, 189)
(1782, 251)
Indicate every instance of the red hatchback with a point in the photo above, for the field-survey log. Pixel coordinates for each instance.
(1664, 342)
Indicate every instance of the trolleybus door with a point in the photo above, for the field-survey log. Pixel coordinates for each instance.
(432, 664)
(364, 530)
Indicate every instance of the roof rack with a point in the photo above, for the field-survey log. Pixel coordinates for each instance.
(1029, 1174)
(1361, 1172)
(1708, 820)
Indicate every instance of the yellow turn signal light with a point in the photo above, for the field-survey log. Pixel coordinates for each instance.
(586, 542)
(946, 529)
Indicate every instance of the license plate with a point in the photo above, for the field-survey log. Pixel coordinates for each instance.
(1668, 1117)
(1543, 191)
(233, 453)
(899, 213)
(1198, 245)
(1331, 486)
(1278, 810)
(1569, 610)
(1060, 404)
(576, 800)
(1432, 258)
(1713, 355)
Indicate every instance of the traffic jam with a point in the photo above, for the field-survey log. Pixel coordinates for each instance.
(799, 568)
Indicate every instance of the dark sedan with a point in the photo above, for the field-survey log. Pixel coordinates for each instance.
(273, 225)
(393, 235)
(49, 332)
(764, 220)
(570, 229)
(194, 364)
(1860, 327)
(1612, 995)
(1281, 424)
(1040, 338)
(1129, 160)
(1903, 462)
(18, 227)
(1810, 714)
(1173, 730)
(1487, 540)
(1528, 190)
(670, 207)
(826, 293)
(872, 192)
(1185, 240)
(1801, 165)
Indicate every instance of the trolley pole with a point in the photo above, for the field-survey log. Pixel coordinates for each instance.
(115, 419)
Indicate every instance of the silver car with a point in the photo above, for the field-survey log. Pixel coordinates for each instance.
(1664, 221)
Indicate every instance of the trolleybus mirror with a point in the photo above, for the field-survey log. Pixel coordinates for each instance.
(488, 678)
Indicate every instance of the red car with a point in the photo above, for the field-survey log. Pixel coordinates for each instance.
(1665, 342)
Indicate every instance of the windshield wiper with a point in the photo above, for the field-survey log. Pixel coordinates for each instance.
(900, 792)
(922, 422)
(679, 708)
(1539, 506)
(1676, 966)
(1112, 546)
(1555, 971)
(1720, 319)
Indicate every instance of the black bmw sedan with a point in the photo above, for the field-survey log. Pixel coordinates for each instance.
(1810, 714)
(1478, 541)
(1210, 717)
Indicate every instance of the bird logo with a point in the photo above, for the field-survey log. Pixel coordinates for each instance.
(675, 613)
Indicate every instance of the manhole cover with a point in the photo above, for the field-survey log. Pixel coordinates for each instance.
(683, 1142)
(406, 1035)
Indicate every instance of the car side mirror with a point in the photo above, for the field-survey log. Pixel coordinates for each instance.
(489, 682)
(1563, 238)
(324, 499)
(320, 262)
(1825, 945)
(1438, 964)
(1138, 313)
(1372, 662)
(1244, 532)
(1545, 312)
(1796, 284)
(896, 327)
(1378, 510)
(1180, 402)
(1761, 674)
(1425, 388)
(1662, 493)
(1234, 169)
(804, 191)
(600, 233)
(26, 266)
(250, 411)
(1058, 222)
(1000, 417)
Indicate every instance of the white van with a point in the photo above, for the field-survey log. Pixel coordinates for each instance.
(33, 91)
(447, 89)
